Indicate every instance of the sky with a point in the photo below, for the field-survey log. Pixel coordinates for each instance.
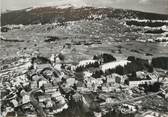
(156, 6)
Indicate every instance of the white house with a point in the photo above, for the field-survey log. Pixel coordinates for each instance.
(114, 64)
(137, 83)
(26, 99)
(86, 62)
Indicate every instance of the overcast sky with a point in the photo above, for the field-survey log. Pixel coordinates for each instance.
(156, 6)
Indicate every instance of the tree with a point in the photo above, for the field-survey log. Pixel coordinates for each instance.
(120, 70)
(97, 74)
(61, 57)
(160, 62)
(150, 68)
(108, 58)
(95, 57)
(131, 58)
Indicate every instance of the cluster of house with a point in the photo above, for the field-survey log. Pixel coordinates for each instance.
(38, 85)
(15, 95)
(52, 101)
(95, 17)
(10, 27)
(112, 82)
(43, 83)
(108, 83)
(144, 78)
(48, 79)
(104, 84)
(127, 108)
(151, 113)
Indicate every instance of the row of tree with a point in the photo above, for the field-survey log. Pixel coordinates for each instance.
(160, 62)
(146, 23)
(105, 58)
(136, 64)
(151, 87)
(87, 66)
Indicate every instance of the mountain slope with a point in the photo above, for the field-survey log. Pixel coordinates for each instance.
(53, 14)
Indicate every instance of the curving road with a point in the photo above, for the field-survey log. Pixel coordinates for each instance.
(35, 103)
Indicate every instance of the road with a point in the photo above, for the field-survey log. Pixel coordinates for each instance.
(130, 100)
(35, 103)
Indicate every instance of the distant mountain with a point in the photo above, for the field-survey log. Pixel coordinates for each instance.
(69, 13)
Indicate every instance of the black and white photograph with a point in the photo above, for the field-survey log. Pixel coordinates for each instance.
(84, 58)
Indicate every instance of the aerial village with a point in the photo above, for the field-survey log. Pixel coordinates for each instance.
(37, 86)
